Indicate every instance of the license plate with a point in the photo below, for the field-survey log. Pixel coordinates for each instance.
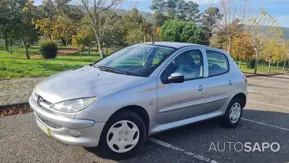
(43, 127)
(48, 131)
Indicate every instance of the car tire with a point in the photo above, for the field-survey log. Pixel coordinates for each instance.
(233, 114)
(114, 138)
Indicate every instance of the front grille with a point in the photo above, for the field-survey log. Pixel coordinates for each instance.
(49, 123)
(44, 103)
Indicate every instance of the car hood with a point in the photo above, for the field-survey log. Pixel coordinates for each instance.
(84, 82)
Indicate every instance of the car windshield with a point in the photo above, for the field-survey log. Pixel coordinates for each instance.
(136, 60)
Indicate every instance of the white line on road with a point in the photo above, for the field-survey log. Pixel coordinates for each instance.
(268, 104)
(197, 156)
(268, 94)
(265, 124)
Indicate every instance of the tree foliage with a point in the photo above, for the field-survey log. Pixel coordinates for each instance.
(182, 31)
(177, 9)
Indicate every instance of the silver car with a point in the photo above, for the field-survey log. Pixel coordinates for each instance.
(144, 89)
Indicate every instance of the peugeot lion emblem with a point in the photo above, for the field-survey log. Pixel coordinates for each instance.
(39, 100)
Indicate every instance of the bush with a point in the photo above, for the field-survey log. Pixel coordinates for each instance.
(251, 63)
(48, 49)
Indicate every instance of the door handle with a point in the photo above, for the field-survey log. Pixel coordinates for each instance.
(230, 82)
(201, 88)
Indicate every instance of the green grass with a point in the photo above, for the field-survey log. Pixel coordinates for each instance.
(18, 52)
(262, 69)
(16, 66)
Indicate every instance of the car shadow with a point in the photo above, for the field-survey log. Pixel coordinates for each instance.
(208, 131)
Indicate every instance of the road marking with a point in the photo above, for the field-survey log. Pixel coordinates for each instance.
(261, 93)
(265, 124)
(268, 104)
(197, 156)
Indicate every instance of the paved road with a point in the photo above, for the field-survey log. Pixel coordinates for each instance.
(265, 119)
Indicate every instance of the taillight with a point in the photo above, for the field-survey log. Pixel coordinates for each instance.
(245, 78)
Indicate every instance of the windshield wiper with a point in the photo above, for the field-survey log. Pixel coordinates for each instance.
(109, 69)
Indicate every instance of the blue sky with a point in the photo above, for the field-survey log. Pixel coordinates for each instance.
(277, 8)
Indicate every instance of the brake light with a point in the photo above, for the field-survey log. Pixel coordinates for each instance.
(245, 78)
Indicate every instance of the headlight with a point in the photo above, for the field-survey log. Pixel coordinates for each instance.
(75, 105)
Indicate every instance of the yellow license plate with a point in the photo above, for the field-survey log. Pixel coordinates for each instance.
(48, 131)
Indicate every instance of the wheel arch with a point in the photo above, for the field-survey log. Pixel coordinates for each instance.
(242, 97)
(140, 111)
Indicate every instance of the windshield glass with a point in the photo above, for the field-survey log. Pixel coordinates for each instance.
(137, 60)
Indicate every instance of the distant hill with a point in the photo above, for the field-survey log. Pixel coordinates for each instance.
(147, 15)
(286, 31)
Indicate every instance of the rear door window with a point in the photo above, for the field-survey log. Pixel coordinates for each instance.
(218, 63)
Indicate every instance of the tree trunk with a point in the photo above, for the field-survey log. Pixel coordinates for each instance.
(284, 65)
(89, 50)
(6, 43)
(100, 48)
(10, 42)
(240, 61)
(277, 66)
(26, 49)
(256, 63)
(230, 45)
(106, 53)
(63, 42)
(269, 67)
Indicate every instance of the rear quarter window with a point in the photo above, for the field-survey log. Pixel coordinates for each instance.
(217, 62)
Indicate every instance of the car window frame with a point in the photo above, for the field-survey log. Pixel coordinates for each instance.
(228, 63)
(188, 50)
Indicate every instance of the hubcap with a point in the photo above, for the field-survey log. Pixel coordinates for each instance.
(235, 113)
(122, 136)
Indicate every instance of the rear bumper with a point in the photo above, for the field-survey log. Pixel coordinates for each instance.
(60, 127)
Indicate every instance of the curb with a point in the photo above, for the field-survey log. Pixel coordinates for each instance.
(25, 104)
(254, 75)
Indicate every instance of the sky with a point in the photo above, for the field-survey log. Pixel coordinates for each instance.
(277, 8)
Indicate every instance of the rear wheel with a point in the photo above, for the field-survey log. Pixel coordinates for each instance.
(233, 114)
(124, 134)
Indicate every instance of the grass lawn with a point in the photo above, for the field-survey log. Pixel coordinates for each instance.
(261, 69)
(16, 66)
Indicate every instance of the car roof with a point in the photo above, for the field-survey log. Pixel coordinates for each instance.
(178, 45)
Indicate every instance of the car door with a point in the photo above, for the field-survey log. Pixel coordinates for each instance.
(219, 83)
(177, 101)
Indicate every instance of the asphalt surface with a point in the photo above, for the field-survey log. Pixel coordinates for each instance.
(265, 120)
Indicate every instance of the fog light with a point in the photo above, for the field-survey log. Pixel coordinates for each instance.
(75, 133)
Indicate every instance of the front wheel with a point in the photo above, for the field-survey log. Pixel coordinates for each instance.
(123, 135)
(233, 114)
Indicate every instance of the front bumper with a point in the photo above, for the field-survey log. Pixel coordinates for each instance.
(60, 127)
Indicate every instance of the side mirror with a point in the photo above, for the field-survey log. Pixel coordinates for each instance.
(176, 78)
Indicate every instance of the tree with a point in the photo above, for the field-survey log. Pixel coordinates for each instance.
(135, 27)
(241, 48)
(176, 9)
(226, 35)
(257, 31)
(159, 18)
(58, 20)
(182, 31)
(16, 16)
(95, 10)
(210, 18)
(235, 15)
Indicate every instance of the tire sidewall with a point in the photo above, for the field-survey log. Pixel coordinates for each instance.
(137, 120)
(226, 119)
